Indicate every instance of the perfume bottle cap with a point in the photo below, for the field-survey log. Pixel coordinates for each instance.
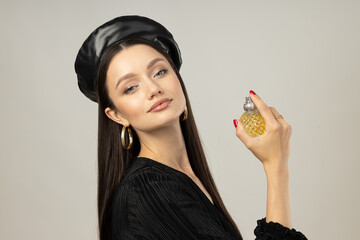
(249, 105)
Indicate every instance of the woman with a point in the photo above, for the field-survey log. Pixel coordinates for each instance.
(154, 181)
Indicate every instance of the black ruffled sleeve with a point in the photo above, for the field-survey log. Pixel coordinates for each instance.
(276, 231)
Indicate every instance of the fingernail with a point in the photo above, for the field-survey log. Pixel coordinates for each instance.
(235, 122)
(252, 92)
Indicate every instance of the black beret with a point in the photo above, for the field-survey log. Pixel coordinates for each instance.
(115, 31)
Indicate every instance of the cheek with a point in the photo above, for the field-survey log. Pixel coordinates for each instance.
(174, 85)
(178, 88)
(132, 109)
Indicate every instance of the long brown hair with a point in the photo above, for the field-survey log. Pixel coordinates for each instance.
(114, 160)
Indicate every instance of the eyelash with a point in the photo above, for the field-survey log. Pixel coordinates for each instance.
(127, 89)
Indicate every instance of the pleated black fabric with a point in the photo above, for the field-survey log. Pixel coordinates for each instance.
(155, 201)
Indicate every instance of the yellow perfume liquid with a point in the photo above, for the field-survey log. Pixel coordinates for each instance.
(253, 122)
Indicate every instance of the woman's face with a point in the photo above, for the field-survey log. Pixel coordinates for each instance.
(137, 77)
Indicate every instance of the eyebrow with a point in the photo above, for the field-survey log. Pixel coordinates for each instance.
(151, 63)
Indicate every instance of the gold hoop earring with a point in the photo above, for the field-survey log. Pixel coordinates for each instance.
(185, 114)
(123, 138)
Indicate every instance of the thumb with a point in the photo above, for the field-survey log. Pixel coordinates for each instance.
(242, 134)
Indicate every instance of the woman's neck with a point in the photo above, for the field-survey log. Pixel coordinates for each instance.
(166, 145)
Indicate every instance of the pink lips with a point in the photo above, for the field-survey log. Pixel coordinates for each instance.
(160, 104)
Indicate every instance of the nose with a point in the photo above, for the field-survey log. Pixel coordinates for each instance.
(154, 89)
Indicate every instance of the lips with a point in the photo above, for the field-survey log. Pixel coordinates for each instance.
(157, 103)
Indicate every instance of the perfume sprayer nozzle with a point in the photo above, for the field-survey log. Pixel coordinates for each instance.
(249, 105)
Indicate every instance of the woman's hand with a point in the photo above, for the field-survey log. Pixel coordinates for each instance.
(273, 147)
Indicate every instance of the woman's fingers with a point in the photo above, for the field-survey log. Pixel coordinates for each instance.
(243, 135)
(285, 127)
(282, 121)
(276, 114)
(263, 109)
(290, 133)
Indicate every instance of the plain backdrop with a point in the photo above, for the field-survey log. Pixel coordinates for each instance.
(301, 57)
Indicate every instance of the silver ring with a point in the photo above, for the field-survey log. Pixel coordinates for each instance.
(280, 116)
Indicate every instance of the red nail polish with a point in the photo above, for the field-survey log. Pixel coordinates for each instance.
(235, 122)
(252, 92)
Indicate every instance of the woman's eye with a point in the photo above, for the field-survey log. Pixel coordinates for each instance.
(128, 89)
(163, 70)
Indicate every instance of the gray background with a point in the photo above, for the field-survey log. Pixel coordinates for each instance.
(301, 57)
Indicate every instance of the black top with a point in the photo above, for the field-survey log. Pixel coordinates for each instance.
(156, 201)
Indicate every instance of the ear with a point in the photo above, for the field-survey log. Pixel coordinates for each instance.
(115, 116)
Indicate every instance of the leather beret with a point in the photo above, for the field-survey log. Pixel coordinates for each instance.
(115, 31)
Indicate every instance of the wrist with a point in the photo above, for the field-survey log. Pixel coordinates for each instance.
(277, 171)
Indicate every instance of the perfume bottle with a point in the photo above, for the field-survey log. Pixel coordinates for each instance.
(253, 122)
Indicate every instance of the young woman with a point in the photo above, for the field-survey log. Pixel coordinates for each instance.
(153, 180)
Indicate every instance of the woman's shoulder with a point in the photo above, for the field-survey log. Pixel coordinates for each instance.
(145, 173)
(145, 167)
